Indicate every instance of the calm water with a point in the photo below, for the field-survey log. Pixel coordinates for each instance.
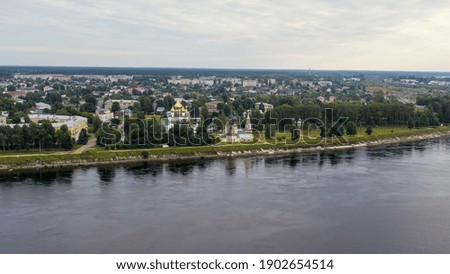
(392, 199)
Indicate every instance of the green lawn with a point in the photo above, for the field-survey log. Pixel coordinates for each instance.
(156, 117)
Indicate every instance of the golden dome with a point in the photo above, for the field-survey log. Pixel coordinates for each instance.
(178, 105)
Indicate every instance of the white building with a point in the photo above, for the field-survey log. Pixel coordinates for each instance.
(249, 83)
(266, 106)
(206, 81)
(124, 104)
(234, 134)
(178, 114)
(104, 114)
(233, 81)
(325, 83)
(43, 106)
(74, 123)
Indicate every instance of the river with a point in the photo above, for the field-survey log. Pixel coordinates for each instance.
(387, 199)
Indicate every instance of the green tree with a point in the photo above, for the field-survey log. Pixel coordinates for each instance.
(18, 117)
(88, 107)
(295, 133)
(369, 130)
(115, 107)
(378, 97)
(16, 141)
(83, 138)
(411, 123)
(3, 140)
(351, 129)
(48, 135)
(64, 138)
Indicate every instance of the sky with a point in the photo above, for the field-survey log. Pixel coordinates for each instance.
(285, 34)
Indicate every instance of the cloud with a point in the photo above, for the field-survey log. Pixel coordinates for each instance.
(323, 34)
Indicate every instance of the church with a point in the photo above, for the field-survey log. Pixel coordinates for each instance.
(178, 114)
(234, 134)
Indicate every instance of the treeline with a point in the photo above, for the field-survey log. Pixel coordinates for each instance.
(34, 136)
(370, 114)
(139, 133)
(438, 104)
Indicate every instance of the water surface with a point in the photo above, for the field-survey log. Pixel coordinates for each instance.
(391, 199)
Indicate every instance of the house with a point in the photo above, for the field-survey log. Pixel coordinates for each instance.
(132, 90)
(48, 88)
(15, 95)
(266, 106)
(211, 106)
(104, 114)
(41, 107)
(160, 110)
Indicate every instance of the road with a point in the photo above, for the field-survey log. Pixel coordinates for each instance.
(90, 144)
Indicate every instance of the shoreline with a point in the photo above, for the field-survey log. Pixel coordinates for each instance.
(202, 155)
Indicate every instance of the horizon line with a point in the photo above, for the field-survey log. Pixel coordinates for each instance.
(223, 68)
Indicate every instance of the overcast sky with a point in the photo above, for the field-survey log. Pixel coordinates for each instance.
(284, 34)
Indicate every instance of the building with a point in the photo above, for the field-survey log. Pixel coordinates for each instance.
(58, 77)
(248, 124)
(206, 81)
(249, 83)
(160, 110)
(233, 81)
(43, 106)
(132, 90)
(177, 80)
(234, 134)
(124, 104)
(2, 120)
(325, 83)
(211, 106)
(266, 106)
(48, 88)
(178, 114)
(15, 95)
(104, 114)
(74, 123)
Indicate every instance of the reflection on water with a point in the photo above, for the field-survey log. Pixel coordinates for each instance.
(106, 174)
(390, 199)
(44, 177)
(145, 169)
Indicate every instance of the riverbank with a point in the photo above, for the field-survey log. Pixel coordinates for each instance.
(99, 156)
